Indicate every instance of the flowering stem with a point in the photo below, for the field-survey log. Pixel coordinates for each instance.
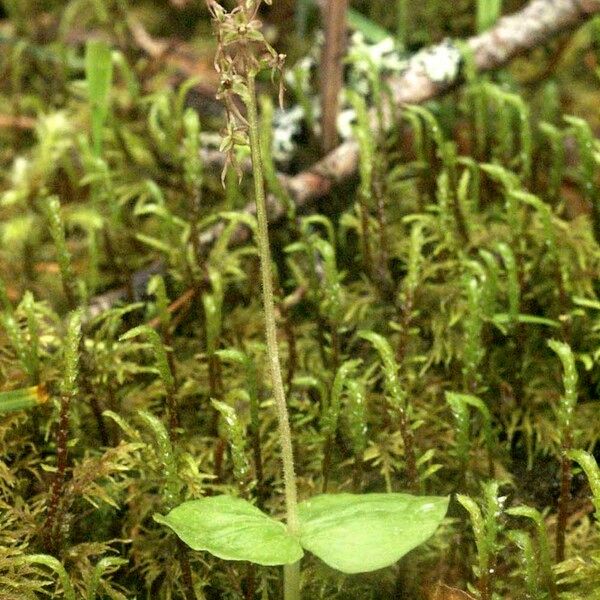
(291, 581)
(291, 572)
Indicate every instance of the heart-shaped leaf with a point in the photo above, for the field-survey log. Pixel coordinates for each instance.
(359, 533)
(233, 529)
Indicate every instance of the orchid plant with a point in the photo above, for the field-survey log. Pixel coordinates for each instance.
(351, 533)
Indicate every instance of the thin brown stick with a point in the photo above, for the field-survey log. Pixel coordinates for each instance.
(563, 503)
(186, 570)
(17, 122)
(335, 27)
(51, 528)
(178, 303)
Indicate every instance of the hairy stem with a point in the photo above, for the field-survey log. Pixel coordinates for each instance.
(292, 582)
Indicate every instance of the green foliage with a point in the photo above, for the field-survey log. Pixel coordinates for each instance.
(413, 309)
(366, 145)
(460, 405)
(331, 415)
(235, 435)
(356, 416)
(590, 466)
(71, 356)
(523, 541)
(486, 528)
(192, 164)
(51, 208)
(384, 526)
(333, 527)
(57, 567)
(213, 313)
(166, 454)
(569, 399)
(488, 12)
(22, 399)
(474, 351)
(99, 71)
(160, 353)
(233, 529)
(16, 337)
(394, 389)
(542, 560)
(251, 387)
(104, 564)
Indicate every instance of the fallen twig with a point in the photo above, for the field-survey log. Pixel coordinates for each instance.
(17, 122)
(332, 68)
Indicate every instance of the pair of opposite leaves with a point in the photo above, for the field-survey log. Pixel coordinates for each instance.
(351, 533)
